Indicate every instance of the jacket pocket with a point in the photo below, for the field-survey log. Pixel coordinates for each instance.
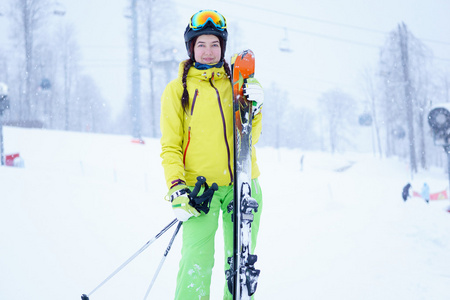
(187, 145)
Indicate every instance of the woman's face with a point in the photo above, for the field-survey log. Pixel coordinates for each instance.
(207, 49)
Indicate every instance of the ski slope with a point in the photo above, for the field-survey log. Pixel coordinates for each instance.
(336, 229)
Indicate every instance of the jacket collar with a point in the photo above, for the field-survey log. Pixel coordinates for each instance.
(200, 66)
(214, 73)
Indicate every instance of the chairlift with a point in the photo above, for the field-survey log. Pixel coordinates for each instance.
(398, 132)
(365, 119)
(284, 45)
(127, 13)
(45, 84)
(59, 9)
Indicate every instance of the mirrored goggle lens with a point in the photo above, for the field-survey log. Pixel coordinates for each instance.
(202, 17)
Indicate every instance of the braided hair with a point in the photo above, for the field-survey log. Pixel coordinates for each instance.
(185, 97)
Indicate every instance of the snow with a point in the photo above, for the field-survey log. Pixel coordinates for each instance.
(84, 203)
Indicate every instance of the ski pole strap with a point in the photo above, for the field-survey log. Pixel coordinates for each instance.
(178, 193)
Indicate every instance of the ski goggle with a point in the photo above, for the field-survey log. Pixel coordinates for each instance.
(199, 20)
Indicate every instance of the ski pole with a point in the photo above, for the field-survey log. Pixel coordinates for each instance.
(162, 260)
(86, 296)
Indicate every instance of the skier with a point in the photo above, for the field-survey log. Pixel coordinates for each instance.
(426, 192)
(197, 140)
(405, 193)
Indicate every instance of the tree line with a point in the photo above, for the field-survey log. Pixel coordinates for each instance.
(399, 94)
(48, 86)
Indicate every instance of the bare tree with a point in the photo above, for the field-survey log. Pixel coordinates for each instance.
(424, 88)
(371, 92)
(407, 83)
(338, 109)
(160, 54)
(69, 56)
(89, 111)
(408, 90)
(55, 92)
(29, 16)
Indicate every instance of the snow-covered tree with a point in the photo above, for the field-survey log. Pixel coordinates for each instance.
(407, 84)
(28, 18)
(338, 112)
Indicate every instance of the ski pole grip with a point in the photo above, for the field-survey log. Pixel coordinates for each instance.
(200, 181)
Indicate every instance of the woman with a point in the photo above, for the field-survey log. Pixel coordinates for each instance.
(197, 140)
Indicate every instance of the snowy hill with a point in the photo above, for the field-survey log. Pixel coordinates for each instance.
(338, 229)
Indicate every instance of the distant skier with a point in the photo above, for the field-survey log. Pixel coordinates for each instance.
(405, 193)
(426, 192)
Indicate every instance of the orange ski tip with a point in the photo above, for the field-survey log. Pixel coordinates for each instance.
(245, 62)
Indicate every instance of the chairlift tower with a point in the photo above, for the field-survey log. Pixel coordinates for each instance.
(4, 104)
(135, 76)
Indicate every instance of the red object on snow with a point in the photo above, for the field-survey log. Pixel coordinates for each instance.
(9, 159)
(417, 194)
(138, 141)
(439, 195)
(442, 195)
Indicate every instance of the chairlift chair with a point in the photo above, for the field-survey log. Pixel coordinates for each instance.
(284, 45)
(59, 9)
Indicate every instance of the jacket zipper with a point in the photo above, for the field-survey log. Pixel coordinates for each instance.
(224, 129)
(193, 101)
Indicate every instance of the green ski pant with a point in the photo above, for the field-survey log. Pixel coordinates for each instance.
(197, 253)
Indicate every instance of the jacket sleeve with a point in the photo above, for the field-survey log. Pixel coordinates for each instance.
(172, 132)
(256, 133)
(256, 128)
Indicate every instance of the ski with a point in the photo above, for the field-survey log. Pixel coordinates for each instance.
(242, 276)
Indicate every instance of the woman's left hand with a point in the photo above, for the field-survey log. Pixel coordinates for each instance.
(255, 93)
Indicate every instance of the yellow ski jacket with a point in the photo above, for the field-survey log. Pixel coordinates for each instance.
(198, 141)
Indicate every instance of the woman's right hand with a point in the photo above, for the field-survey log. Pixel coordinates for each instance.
(179, 196)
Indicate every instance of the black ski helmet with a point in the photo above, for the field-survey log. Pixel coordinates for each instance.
(208, 28)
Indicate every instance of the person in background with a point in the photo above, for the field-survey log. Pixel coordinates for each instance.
(405, 193)
(426, 192)
(197, 140)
